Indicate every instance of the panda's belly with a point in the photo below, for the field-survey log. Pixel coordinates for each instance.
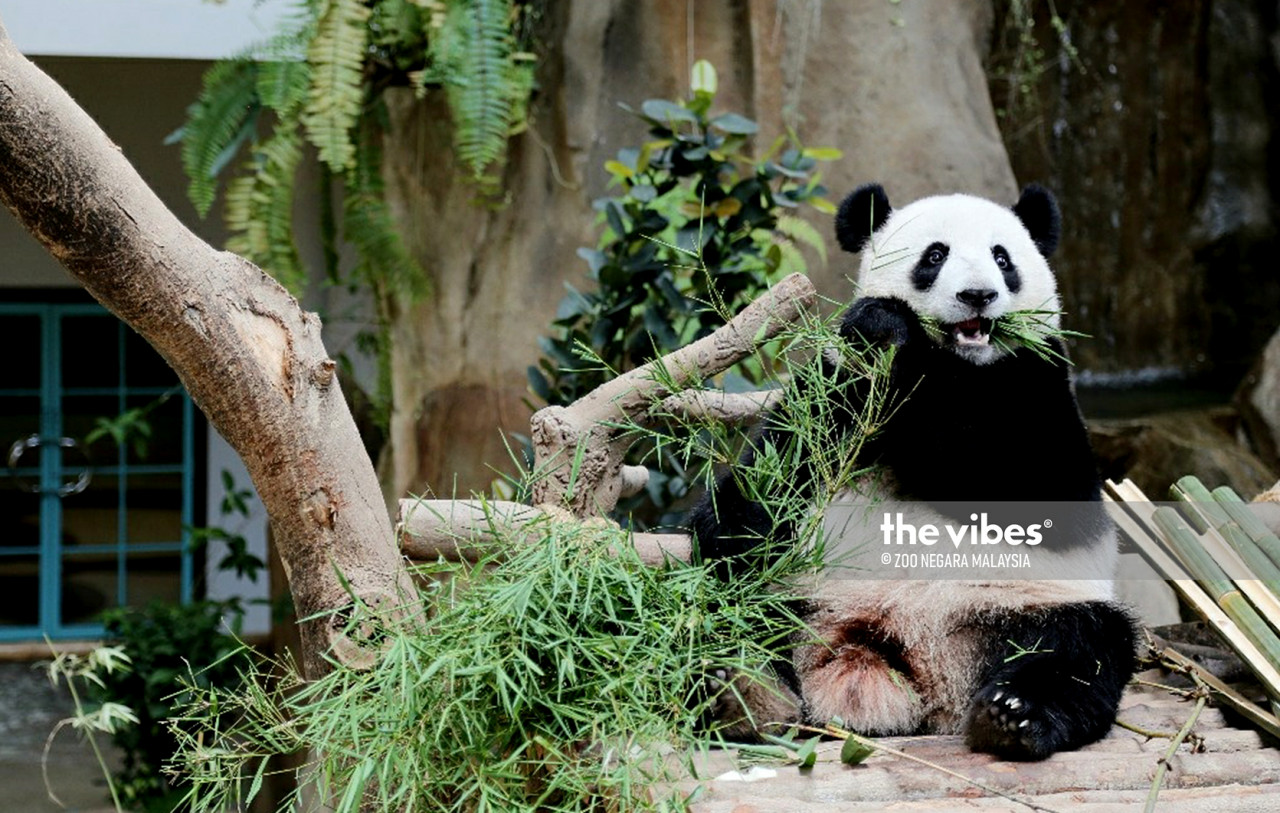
(898, 648)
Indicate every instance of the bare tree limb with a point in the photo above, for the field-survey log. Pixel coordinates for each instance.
(578, 444)
(466, 530)
(250, 357)
(735, 409)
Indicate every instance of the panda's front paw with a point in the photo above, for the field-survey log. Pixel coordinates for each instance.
(879, 321)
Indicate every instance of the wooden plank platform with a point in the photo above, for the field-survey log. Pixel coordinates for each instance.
(1236, 771)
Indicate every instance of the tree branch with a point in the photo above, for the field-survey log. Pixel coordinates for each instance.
(579, 446)
(250, 357)
(467, 530)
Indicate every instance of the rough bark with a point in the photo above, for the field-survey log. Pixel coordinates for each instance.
(874, 79)
(250, 357)
(468, 530)
(581, 449)
(1159, 139)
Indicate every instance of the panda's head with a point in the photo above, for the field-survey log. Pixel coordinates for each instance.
(961, 260)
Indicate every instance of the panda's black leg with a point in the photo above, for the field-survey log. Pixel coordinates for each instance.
(1058, 683)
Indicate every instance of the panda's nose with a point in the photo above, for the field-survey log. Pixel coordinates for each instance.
(977, 297)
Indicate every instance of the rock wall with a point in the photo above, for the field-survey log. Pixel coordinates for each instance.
(900, 88)
(1156, 131)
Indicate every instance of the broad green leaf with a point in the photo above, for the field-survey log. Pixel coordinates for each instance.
(734, 123)
(704, 77)
(807, 755)
(854, 752)
(665, 112)
(619, 169)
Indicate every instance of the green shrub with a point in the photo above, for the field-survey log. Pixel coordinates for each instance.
(173, 649)
(697, 230)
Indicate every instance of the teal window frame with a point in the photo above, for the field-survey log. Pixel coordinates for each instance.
(52, 476)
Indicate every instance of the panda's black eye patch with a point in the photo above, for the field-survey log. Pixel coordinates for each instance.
(1012, 279)
(926, 270)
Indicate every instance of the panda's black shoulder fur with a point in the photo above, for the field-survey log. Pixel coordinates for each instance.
(958, 432)
(969, 432)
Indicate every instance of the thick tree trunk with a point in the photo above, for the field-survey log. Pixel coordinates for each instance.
(898, 87)
(250, 357)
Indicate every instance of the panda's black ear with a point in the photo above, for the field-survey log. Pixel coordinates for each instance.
(864, 211)
(1038, 211)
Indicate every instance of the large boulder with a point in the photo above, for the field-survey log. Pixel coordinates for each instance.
(1156, 450)
(1258, 401)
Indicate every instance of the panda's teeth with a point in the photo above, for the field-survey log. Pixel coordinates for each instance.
(970, 333)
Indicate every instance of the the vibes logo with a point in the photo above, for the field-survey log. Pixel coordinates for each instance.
(980, 532)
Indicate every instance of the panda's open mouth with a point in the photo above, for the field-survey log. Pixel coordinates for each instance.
(975, 332)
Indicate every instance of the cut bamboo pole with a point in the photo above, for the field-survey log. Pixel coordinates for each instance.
(1134, 520)
(1226, 592)
(1231, 547)
(1249, 522)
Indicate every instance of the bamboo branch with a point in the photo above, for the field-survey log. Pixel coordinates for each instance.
(1163, 766)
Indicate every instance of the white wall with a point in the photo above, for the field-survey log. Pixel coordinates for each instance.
(224, 584)
(179, 29)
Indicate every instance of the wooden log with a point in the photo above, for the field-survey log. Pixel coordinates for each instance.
(468, 530)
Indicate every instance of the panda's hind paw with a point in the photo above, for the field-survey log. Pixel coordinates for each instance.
(1009, 725)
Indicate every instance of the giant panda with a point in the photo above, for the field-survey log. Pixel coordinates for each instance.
(1021, 667)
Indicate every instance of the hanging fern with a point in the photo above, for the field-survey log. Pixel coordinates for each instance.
(337, 80)
(283, 85)
(368, 225)
(487, 80)
(260, 210)
(353, 50)
(480, 99)
(218, 124)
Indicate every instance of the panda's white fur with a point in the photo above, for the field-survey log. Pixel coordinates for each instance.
(971, 227)
(928, 655)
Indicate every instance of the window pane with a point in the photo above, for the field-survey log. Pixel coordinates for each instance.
(20, 588)
(88, 586)
(20, 335)
(163, 421)
(80, 417)
(90, 351)
(143, 365)
(90, 517)
(19, 419)
(154, 576)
